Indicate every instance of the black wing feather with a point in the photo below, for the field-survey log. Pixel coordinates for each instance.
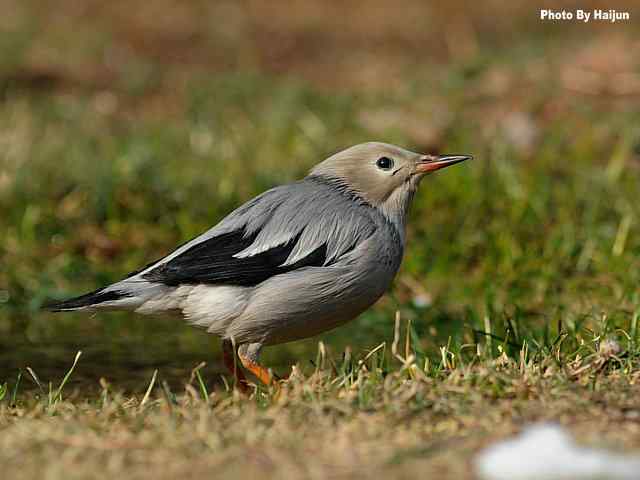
(212, 262)
(86, 300)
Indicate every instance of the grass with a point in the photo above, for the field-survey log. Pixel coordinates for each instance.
(391, 411)
(518, 296)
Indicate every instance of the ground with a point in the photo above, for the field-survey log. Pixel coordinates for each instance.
(126, 129)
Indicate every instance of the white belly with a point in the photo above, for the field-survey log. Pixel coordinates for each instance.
(211, 307)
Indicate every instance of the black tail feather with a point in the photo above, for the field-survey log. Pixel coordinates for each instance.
(86, 300)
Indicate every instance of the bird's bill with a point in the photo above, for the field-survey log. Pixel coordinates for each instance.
(431, 163)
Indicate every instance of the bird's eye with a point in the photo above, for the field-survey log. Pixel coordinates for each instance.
(384, 163)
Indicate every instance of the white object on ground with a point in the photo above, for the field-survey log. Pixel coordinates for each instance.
(547, 452)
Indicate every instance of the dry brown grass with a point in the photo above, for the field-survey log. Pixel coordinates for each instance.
(372, 417)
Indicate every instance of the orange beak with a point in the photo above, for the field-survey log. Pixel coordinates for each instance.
(431, 163)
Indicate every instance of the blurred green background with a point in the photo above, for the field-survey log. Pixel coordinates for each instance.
(127, 128)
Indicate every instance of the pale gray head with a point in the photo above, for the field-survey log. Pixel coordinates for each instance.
(384, 175)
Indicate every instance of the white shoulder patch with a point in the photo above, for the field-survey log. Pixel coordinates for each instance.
(257, 247)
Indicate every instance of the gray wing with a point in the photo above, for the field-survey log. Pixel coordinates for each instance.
(309, 223)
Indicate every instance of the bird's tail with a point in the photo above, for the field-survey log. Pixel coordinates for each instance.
(100, 298)
(127, 294)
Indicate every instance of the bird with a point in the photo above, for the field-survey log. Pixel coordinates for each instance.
(295, 261)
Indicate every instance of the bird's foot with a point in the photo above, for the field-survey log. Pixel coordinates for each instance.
(263, 374)
(248, 357)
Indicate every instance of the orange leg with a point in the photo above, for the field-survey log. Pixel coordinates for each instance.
(248, 355)
(258, 370)
(230, 362)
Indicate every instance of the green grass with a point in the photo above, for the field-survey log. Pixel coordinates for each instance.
(120, 139)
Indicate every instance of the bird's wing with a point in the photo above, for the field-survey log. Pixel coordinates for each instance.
(308, 223)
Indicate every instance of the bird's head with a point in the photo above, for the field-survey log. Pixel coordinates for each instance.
(386, 176)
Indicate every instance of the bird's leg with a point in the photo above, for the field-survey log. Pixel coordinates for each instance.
(229, 357)
(248, 354)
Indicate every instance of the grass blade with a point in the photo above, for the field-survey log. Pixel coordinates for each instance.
(171, 398)
(58, 395)
(145, 399)
(14, 393)
(203, 388)
(36, 379)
